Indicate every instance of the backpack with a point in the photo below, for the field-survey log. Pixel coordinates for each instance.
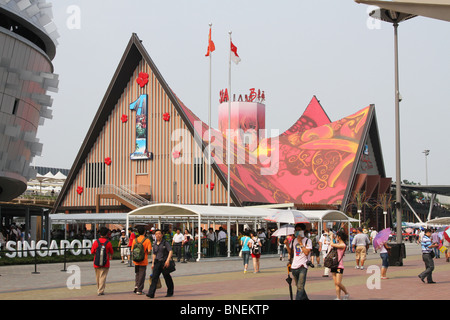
(101, 256)
(256, 248)
(138, 253)
(332, 260)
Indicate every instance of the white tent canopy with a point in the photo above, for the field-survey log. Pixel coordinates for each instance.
(443, 221)
(225, 214)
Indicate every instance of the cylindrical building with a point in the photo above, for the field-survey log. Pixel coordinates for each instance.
(27, 48)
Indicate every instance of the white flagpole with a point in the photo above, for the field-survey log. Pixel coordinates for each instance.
(229, 126)
(209, 128)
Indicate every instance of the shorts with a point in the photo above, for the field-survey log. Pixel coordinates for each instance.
(337, 270)
(360, 253)
(385, 259)
(124, 251)
(257, 256)
(315, 252)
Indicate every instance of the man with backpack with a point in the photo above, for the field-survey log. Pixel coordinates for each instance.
(140, 249)
(103, 252)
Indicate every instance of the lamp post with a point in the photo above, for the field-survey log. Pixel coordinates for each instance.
(395, 18)
(427, 152)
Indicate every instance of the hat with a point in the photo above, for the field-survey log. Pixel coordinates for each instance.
(123, 231)
(153, 228)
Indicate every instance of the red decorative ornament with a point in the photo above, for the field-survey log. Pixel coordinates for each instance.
(166, 116)
(80, 190)
(108, 161)
(212, 186)
(142, 80)
(124, 118)
(176, 154)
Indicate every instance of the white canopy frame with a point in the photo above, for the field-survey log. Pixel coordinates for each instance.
(226, 215)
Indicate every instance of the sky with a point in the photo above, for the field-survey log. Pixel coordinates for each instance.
(293, 50)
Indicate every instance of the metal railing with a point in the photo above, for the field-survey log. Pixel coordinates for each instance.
(125, 194)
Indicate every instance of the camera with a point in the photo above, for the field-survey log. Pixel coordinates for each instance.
(310, 264)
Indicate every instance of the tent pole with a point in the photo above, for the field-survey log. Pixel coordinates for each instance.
(199, 241)
(229, 236)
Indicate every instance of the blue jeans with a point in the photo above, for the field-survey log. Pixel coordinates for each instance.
(385, 259)
(245, 256)
(300, 277)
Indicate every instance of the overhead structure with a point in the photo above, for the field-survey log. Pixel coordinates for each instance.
(226, 214)
(435, 9)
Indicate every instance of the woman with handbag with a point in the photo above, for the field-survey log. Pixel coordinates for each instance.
(338, 243)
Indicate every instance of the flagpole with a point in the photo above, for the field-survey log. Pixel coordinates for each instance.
(209, 128)
(229, 127)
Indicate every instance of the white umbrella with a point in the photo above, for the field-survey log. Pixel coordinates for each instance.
(287, 216)
(284, 231)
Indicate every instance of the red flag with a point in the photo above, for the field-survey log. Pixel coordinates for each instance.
(234, 55)
(211, 46)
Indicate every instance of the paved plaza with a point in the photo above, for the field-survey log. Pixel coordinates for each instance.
(223, 279)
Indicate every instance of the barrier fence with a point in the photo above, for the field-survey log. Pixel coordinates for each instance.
(186, 252)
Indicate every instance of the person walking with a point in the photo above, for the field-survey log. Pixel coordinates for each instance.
(245, 239)
(123, 246)
(338, 242)
(427, 256)
(299, 250)
(384, 255)
(103, 251)
(361, 245)
(324, 248)
(140, 267)
(131, 237)
(162, 254)
(373, 234)
(256, 247)
(436, 239)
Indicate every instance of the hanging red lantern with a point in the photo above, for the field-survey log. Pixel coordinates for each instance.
(108, 161)
(166, 116)
(80, 190)
(212, 186)
(176, 154)
(124, 118)
(142, 80)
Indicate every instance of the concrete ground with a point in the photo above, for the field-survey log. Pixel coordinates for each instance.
(223, 279)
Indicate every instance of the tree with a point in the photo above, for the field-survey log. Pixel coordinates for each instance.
(360, 200)
(384, 202)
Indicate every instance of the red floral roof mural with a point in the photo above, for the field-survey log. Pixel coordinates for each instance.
(314, 159)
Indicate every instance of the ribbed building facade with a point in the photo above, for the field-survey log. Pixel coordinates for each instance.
(95, 184)
(27, 47)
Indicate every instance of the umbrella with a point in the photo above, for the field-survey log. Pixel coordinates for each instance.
(284, 231)
(287, 216)
(289, 281)
(409, 230)
(447, 233)
(381, 238)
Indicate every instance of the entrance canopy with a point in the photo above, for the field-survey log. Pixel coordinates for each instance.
(224, 214)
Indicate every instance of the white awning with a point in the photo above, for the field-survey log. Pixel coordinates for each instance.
(224, 213)
(444, 221)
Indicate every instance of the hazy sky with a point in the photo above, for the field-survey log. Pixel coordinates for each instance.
(292, 50)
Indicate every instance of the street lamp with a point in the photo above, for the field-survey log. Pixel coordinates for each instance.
(427, 152)
(395, 18)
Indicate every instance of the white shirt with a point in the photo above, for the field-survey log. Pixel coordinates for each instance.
(300, 258)
(178, 238)
(325, 240)
(222, 235)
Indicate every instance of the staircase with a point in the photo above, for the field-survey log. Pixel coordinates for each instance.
(122, 194)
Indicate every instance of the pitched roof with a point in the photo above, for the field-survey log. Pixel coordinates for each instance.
(316, 161)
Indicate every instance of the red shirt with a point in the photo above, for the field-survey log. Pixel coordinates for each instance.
(109, 250)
